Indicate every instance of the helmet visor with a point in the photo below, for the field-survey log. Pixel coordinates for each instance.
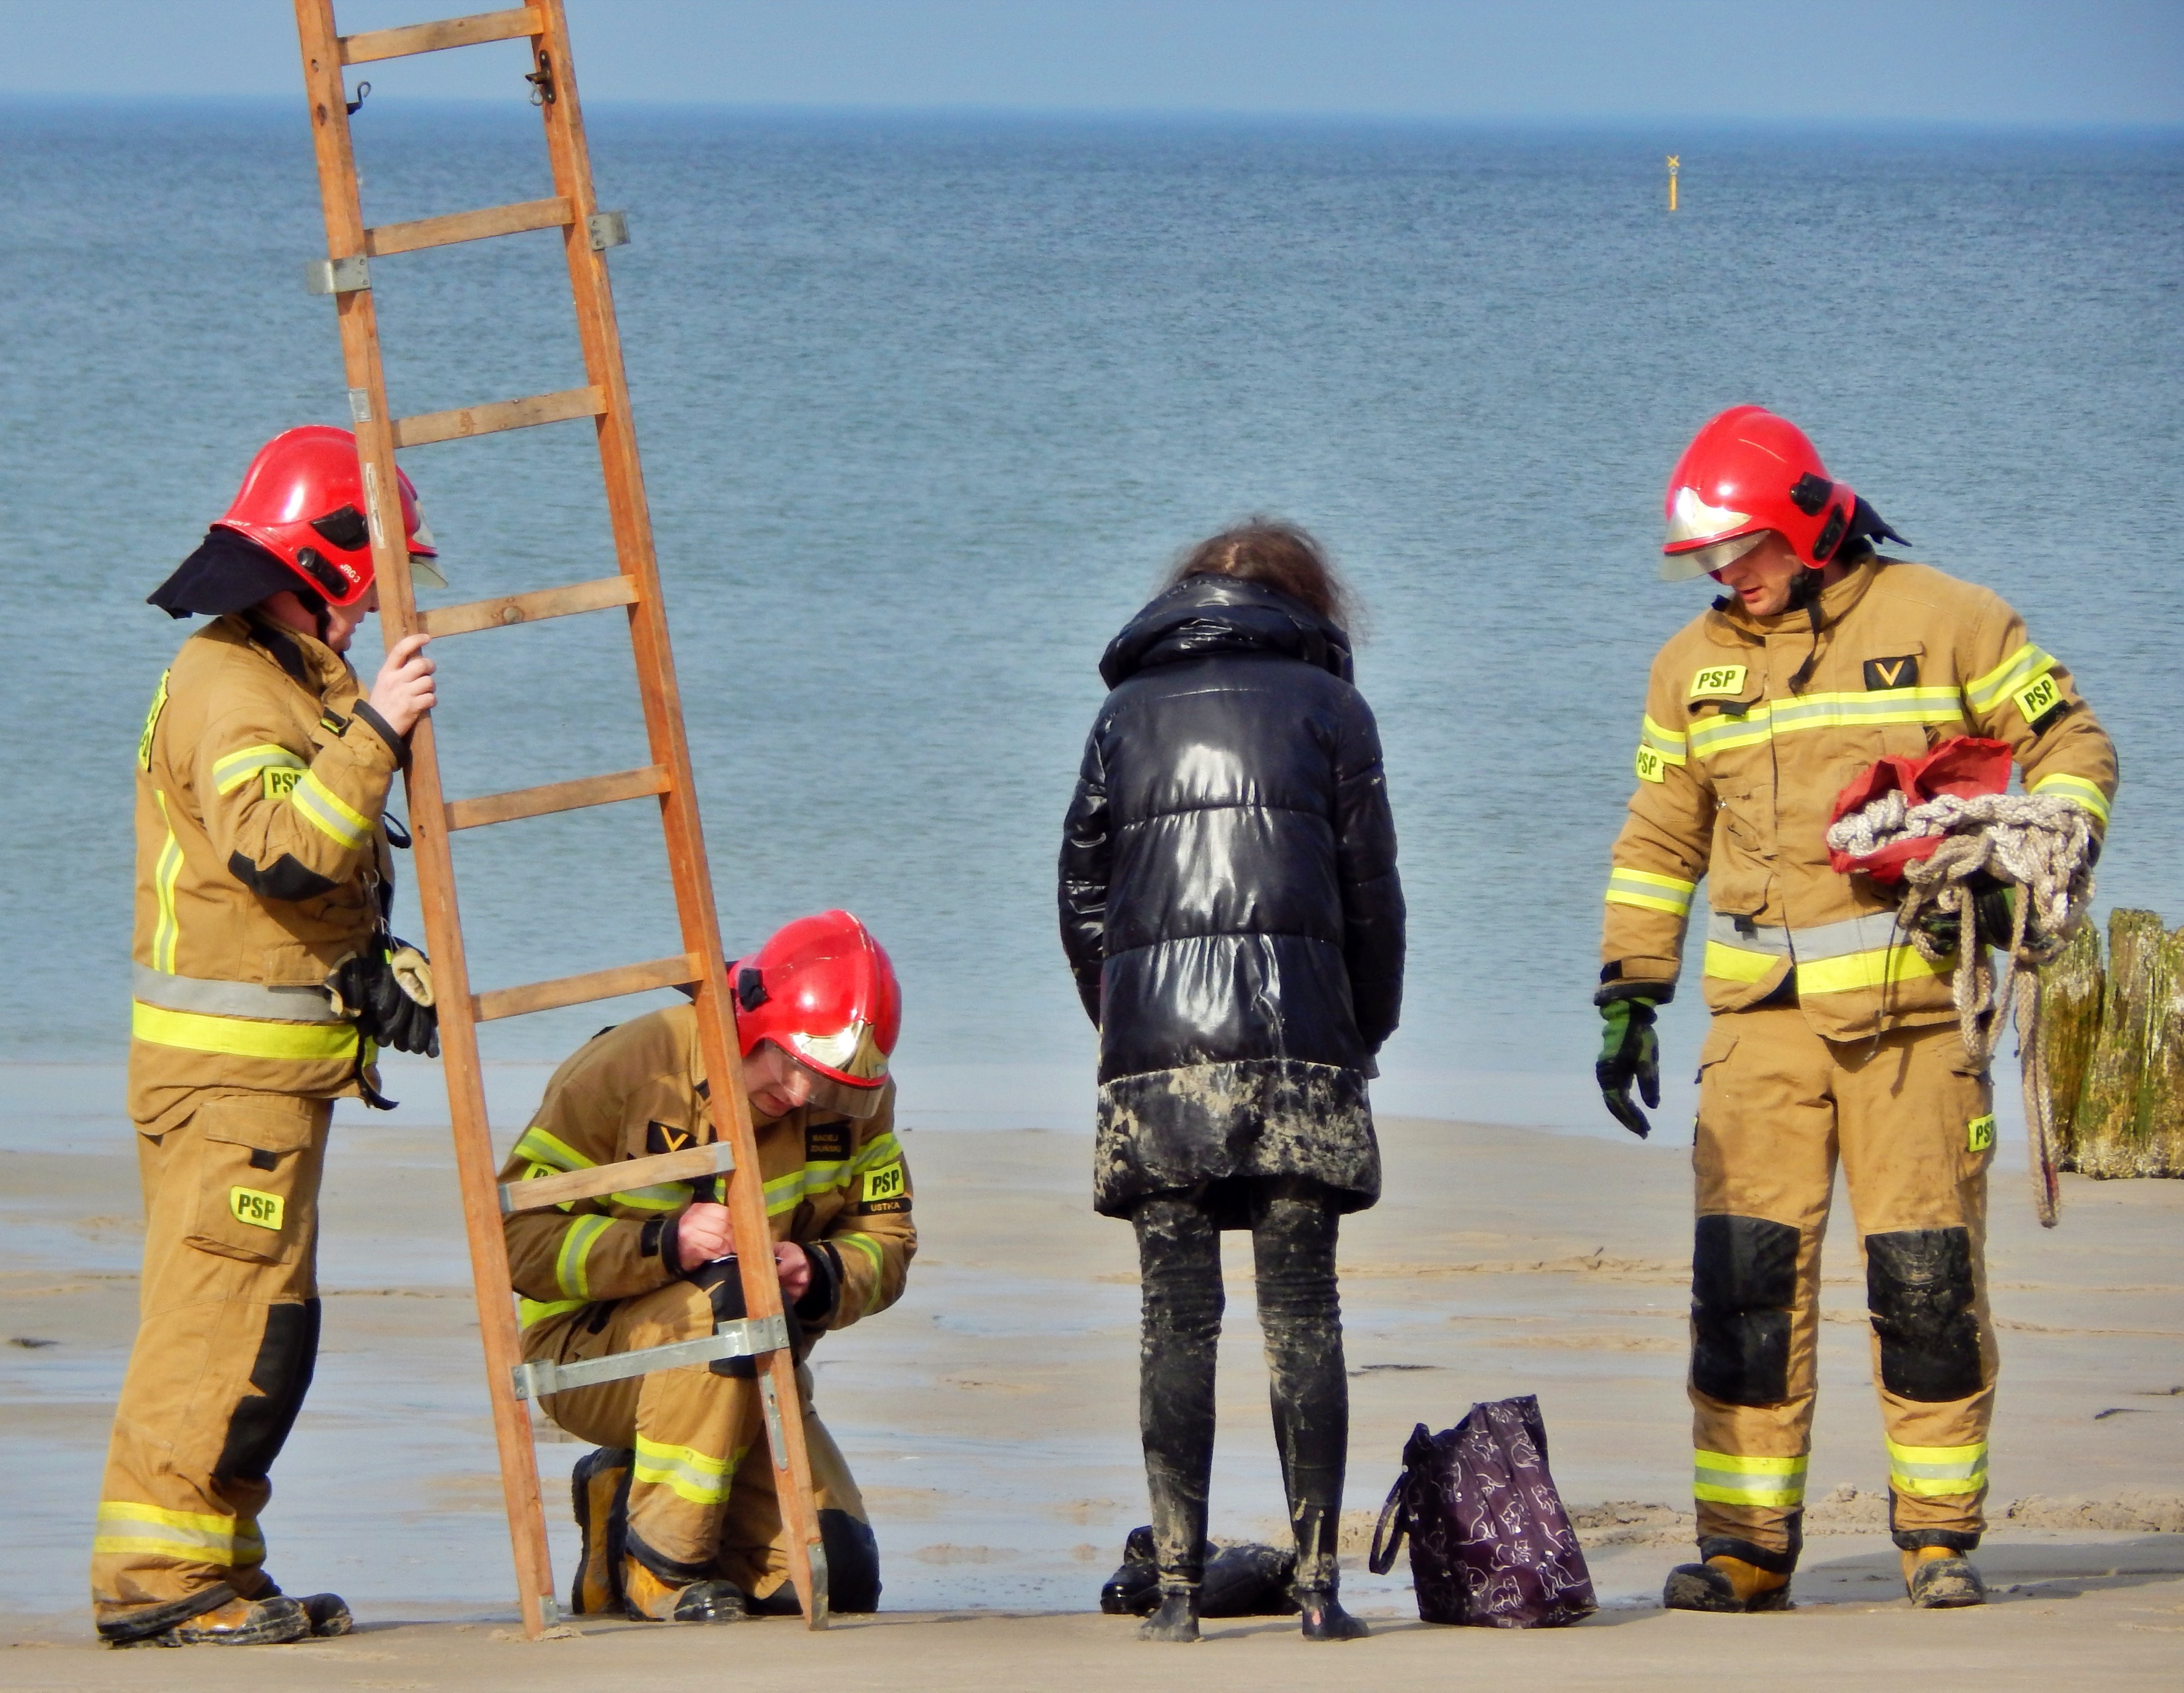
(1704, 561)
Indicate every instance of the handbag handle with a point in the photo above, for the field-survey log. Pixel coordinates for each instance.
(1381, 1560)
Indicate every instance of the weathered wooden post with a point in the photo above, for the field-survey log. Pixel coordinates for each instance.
(2130, 1115)
(2070, 1019)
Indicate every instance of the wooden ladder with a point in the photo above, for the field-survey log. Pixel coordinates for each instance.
(698, 967)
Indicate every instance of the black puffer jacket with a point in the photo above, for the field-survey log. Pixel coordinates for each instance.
(1229, 901)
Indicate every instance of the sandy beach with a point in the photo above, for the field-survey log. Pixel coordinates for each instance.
(990, 1418)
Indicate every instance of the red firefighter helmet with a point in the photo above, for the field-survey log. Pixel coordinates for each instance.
(823, 991)
(302, 500)
(1746, 473)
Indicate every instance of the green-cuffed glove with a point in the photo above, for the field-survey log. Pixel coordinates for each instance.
(1629, 1051)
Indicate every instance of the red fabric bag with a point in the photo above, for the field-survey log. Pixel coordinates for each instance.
(1963, 766)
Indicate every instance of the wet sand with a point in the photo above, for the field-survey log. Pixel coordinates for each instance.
(990, 1418)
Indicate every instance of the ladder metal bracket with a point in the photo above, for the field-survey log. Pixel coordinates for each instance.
(772, 1401)
(743, 1336)
(608, 229)
(349, 275)
(359, 404)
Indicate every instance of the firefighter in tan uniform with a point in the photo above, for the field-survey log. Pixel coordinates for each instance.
(678, 1508)
(1832, 1038)
(261, 874)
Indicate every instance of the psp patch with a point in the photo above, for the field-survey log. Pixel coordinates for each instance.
(1718, 681)
(1979, 1135)
(280, 781)
(2038, 697)
(1651, 766)
(260, 1210)
(886, 1188)
(1881, 674)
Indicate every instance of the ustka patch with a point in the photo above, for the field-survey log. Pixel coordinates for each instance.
(827, 1143)
(667, 1137)
(1881, 674)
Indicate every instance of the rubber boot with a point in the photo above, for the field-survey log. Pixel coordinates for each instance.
(1723, 1583)
(649, 1599)
(600, 1486)
(276, 1621)
(1941, 1578)
(328, 1615)
(1320, 1615)
(1176, 1617)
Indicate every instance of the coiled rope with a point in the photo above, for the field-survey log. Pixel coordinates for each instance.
(2041, 845)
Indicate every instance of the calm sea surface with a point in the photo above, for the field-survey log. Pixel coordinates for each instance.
(926, 405)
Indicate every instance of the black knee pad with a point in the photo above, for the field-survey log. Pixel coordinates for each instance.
(1743, 1280)
(1919, 1289)
(853, 1563)
(258, 1426)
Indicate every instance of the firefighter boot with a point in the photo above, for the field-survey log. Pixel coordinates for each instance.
(1941, 1578)
(599, 1486)
(1723, 1583)
(274, 1621)
(650, 1599)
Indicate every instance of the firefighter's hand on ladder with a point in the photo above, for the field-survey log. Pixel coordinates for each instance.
(403, 692)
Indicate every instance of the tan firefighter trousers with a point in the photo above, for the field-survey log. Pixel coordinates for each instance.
(228, 1330)
(1913, 1127)
(701, 1492)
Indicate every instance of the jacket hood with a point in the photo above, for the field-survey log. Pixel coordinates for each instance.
(1209, 615)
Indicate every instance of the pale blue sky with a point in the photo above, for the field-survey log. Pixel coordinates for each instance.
(1959, 61)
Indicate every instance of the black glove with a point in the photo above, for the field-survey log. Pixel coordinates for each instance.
(1629, 1051)
(386, 991)
(1993, 912)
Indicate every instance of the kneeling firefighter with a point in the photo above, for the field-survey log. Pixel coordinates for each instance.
(1832, 1036)
(265, 980)
(678, 1523)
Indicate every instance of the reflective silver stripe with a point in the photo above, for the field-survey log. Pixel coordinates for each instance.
(300, 1004)
(1874, 932)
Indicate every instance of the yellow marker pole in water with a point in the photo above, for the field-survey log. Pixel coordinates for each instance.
(1674, 161)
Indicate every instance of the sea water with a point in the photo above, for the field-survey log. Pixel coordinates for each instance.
(926, 405)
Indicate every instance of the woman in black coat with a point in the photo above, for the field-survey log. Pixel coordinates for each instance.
(1230, 908)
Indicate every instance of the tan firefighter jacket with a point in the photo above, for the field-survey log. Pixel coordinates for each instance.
(261, 863)
(834, 1184)
(1736, 776)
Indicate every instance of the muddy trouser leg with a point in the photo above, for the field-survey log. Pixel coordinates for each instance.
(1293, 1233)
(228, 1331)
(1917, 1138)
(1764, 1158)
(1179, 1256)
(690, 1430)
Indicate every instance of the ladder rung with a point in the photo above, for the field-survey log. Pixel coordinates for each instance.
(489, 419)
(740, 1337)
(557, 796)
(411, 237)
(371, 45)
(472, 616)
(691, 1164)
(679, 971)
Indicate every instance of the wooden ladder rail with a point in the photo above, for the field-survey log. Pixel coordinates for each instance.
(703, 965)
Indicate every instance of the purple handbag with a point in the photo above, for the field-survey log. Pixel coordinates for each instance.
(1490, 1544)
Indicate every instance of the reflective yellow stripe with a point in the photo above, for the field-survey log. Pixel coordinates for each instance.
(1724, 1479)
(165, 873)
(2008, 676)
(240, 1037)
(2087, 793)
(1856, 970)
(1655, 892)
(329, 813)
(691, 1475)
(541, 1148)
(666, 1196)
(185, 1536)
(1937, 1472)
(572, 1269)
(1713, 734)
(871, 1248)
(883, 1148)
(230, 773)
(1838, 710)
(1735, 964)
(531, 1310)
(1669, 743)
(152, 722)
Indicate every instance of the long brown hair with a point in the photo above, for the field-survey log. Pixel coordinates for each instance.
(1276, 554)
